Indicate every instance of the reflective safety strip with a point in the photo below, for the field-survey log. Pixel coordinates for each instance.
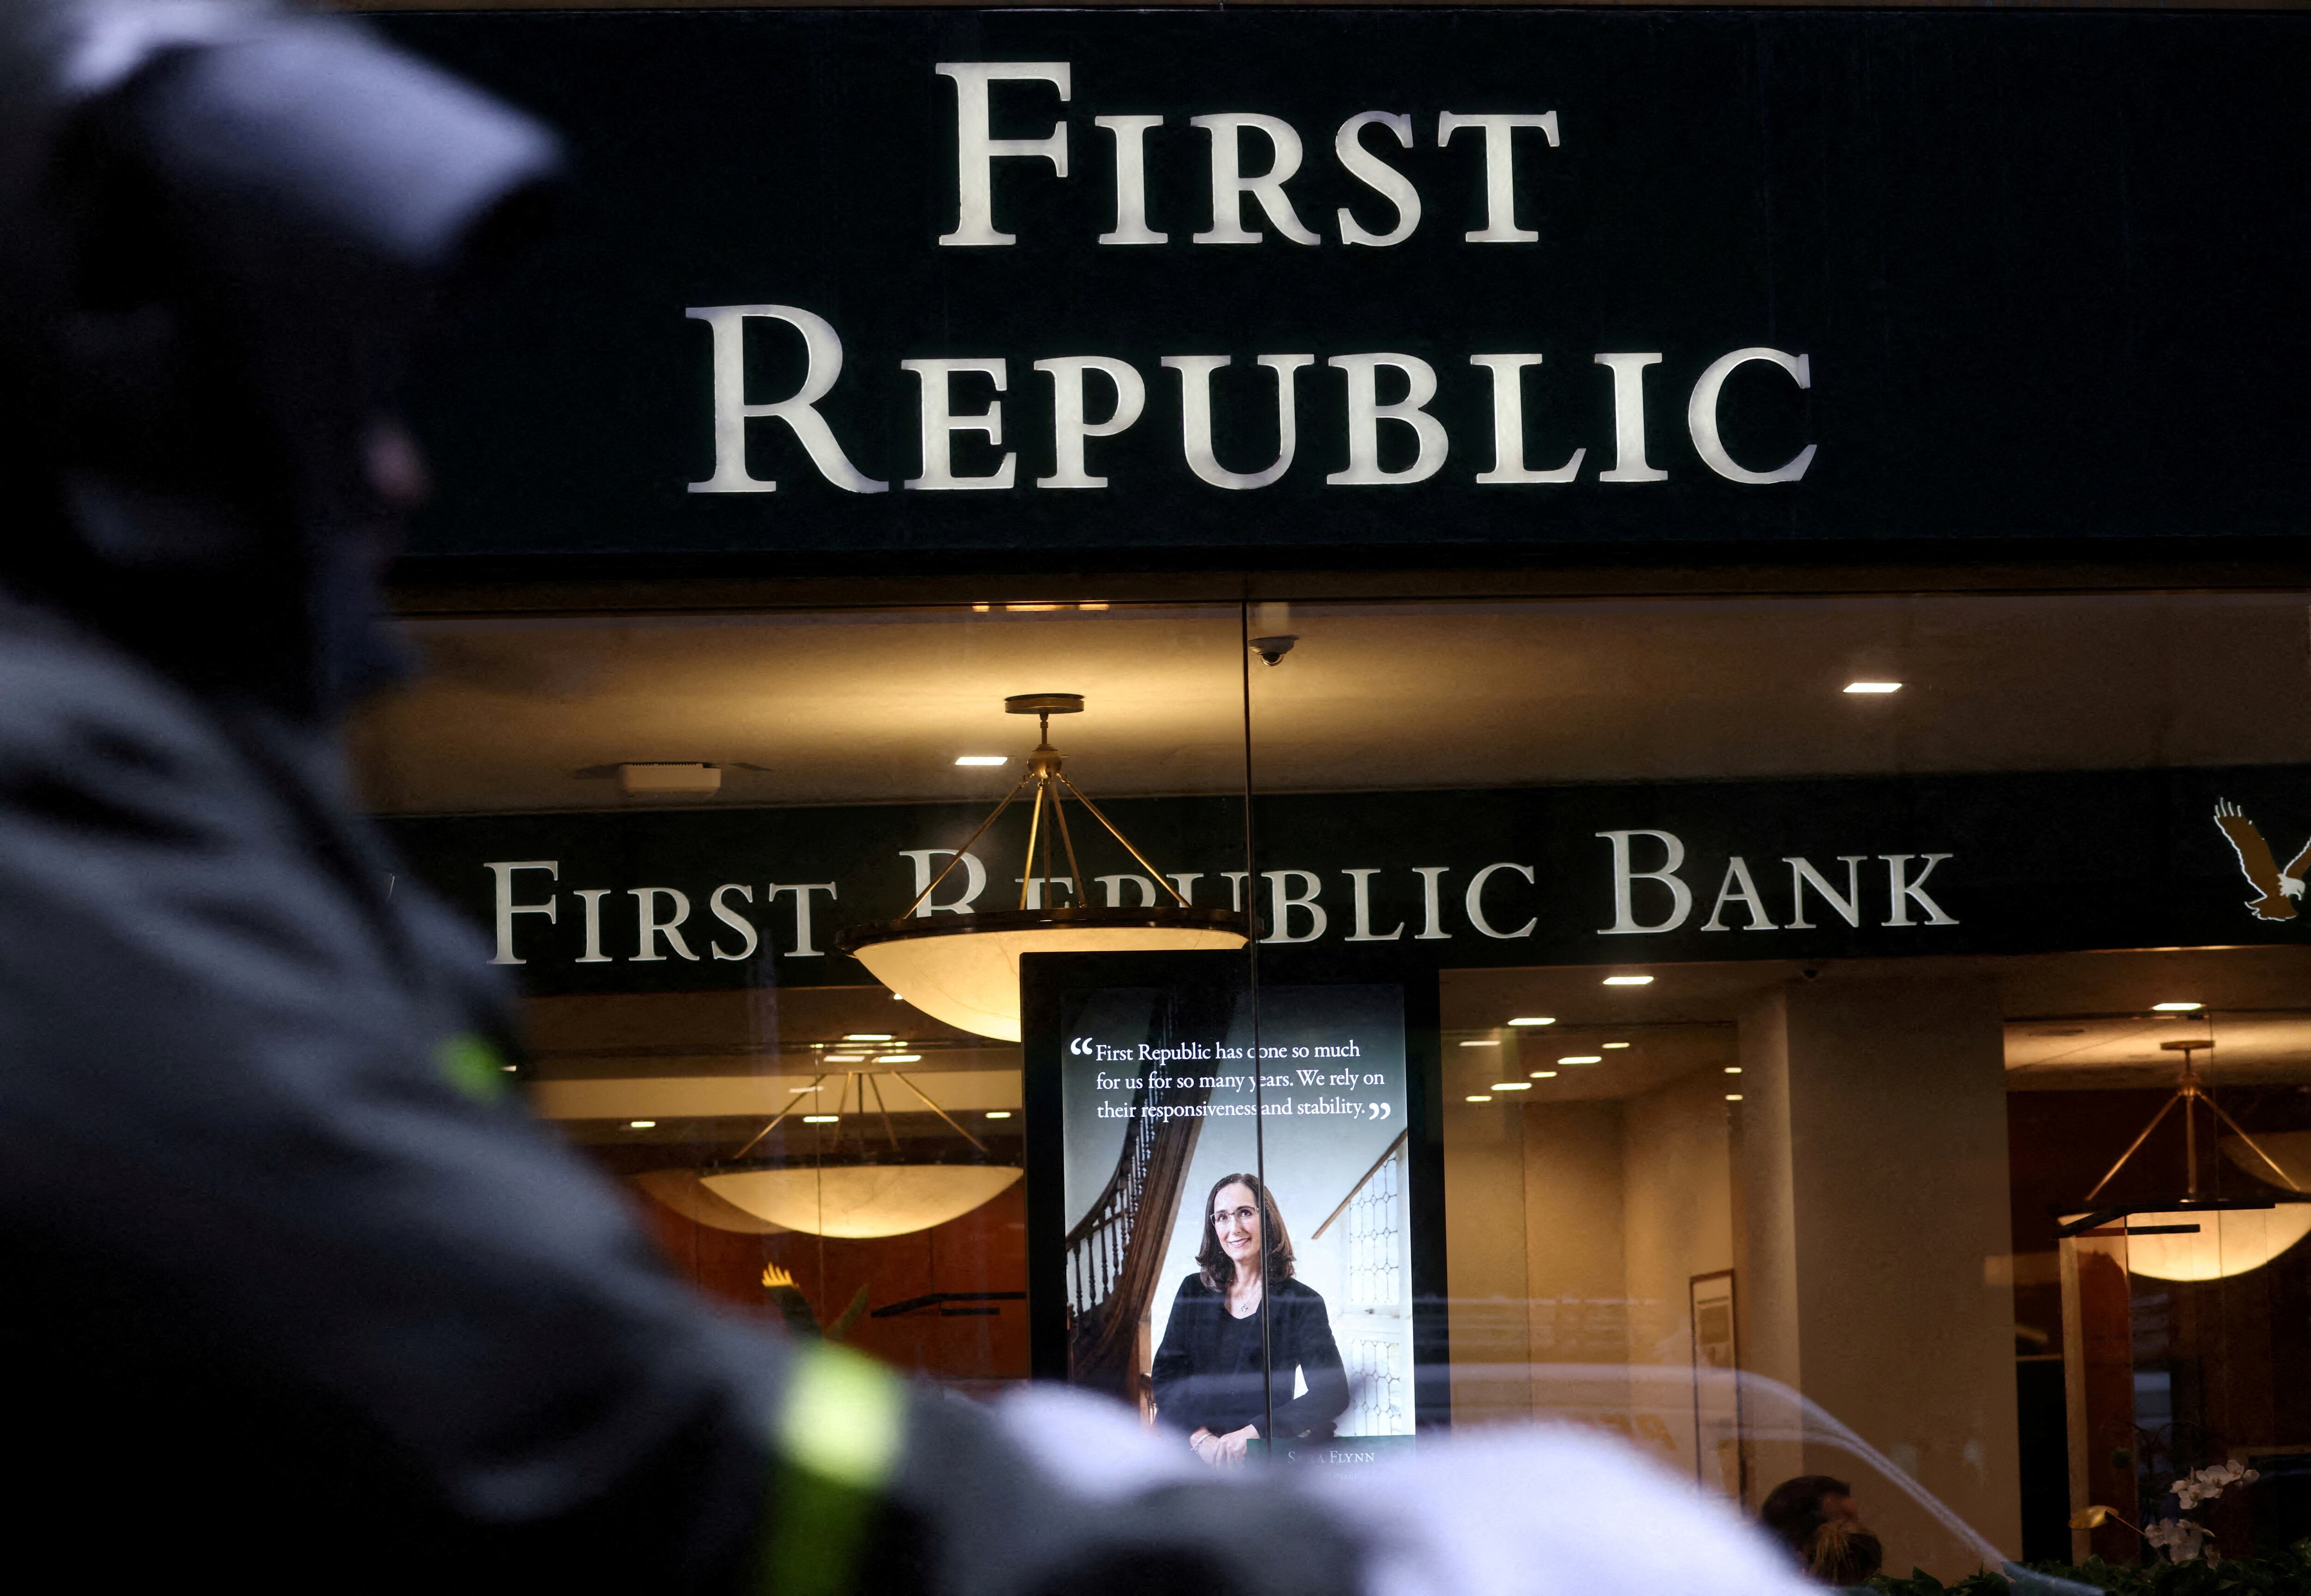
(844, 1418)
(839, 1436)
(473, 1066)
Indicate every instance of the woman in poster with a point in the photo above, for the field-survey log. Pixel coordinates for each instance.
(1208, 1372)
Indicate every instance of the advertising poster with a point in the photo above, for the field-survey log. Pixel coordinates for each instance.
(1187, 1162)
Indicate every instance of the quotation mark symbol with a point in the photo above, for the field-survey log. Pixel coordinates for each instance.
(1080, 1047)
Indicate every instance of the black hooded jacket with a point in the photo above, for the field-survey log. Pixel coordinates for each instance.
(299, 1297)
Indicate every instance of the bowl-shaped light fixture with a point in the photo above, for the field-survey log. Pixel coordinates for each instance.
(2209, 1243)
(965, 968)
(861, 1201)
(681, 1191)
(2199, 1237)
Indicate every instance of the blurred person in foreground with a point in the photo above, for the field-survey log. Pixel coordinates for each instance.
(1814, 1516)
(298, 1296)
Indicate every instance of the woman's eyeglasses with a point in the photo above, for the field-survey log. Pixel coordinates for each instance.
(1240, 1216)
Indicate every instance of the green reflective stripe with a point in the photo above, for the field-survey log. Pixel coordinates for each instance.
(472, 1066)
(839, 1435)
(844, 1418)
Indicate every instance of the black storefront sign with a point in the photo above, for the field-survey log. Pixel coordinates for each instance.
(1271, 285)
(713, 899)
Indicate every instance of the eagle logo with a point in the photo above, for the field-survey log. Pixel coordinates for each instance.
(2280, 888)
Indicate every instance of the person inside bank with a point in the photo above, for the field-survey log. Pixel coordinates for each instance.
(1207, 1374)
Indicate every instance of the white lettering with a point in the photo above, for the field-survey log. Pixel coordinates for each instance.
(502, 891)
(1701, 415)
(592, 897)
(976, 149)
(1365, 412)
(1069, 427)
(1848, 908)
(1281, 904)
(1131, 179)
(1113, 885)
(1230, 185)
(1377, 174)
(823, 355)
(1500, 169)
(1508, 424)
(940, 423)
(1360, 896)
(804, 948)
(1737, 887)
(1473, 903)
(1625, 876)
(1196, 416)
(1432, 904)
(734, 921)
(1906, 892)
(975, 881)
(652, 927)
(1629, 419)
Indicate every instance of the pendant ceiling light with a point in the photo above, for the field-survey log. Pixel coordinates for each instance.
(851, 1191)
(2197, 1237)
(965, 968)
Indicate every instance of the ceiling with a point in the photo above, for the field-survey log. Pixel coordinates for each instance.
(873, 707)
(2073, 1021)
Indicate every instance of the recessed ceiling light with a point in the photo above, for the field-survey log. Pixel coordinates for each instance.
(642, 1124)
(798, 1090)
(1511, 1087)
(1534, 1019)
(1544, 1075)
(1628, 981)
(509, 1069)
(1733, 1096)
(982, 759)
(1873, 686)
(1609, 1046)
(898, 1057)
(2176, 1008)
(1580, 1058)
(870, 1036)
(844, 1058)
(820, 1119)
(1479, 1097)
(1732, 1069)
(999, 1113)
(1483, 1041)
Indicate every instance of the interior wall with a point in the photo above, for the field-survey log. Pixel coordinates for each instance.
(1875, 1183)
(1676, 1223)
(1485, 1262)
(1574, 1271)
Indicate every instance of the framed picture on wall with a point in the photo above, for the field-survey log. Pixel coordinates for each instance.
(1717, 1458)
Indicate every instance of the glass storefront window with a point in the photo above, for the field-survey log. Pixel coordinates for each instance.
(1711, 1019)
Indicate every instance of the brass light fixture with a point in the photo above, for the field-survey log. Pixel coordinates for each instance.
(2197, 1237)
(965, 968)
(852, 1192)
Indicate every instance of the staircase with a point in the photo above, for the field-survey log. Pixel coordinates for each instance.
(1111, 1257)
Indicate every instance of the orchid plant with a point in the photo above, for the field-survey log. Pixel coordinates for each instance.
(2183, 1539)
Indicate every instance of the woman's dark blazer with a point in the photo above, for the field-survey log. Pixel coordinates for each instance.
(1193, 1392)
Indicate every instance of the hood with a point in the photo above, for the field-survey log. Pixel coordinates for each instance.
(226, 225)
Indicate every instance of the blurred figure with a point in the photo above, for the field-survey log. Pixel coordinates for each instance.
(1844, 1553)
(299, 1297)
(1814, 1517)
